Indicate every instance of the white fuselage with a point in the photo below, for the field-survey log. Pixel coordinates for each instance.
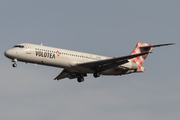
(61, 58)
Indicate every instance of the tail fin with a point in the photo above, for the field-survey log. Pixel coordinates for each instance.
(140, 48)
(143, 47)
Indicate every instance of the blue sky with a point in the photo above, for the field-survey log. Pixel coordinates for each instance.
(109, 28)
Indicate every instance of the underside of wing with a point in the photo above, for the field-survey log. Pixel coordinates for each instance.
(71, 75)
(62, 75)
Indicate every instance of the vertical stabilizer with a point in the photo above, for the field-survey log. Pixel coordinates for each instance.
(140, 48)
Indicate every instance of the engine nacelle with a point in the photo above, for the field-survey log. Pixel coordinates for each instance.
(130, 65)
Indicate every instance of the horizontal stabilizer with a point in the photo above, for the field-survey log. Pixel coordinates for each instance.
(156, 45)
(141, 48)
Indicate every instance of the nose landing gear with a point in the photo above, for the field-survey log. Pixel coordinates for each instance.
(14, 65)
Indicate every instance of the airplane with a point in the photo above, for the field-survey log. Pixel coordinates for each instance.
(79, 64)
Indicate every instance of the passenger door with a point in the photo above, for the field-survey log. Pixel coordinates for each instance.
(28, 49)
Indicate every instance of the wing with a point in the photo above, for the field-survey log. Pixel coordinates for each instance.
(69, 74)
(62, 75)
(110, 61)
(102, 64)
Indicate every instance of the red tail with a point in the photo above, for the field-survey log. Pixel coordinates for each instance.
(140, 60)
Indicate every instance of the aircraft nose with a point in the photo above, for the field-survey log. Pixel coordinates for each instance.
(8, 53)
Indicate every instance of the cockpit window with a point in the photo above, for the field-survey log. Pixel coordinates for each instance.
(20, 46)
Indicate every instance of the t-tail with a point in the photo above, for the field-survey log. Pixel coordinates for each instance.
(141, 48)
